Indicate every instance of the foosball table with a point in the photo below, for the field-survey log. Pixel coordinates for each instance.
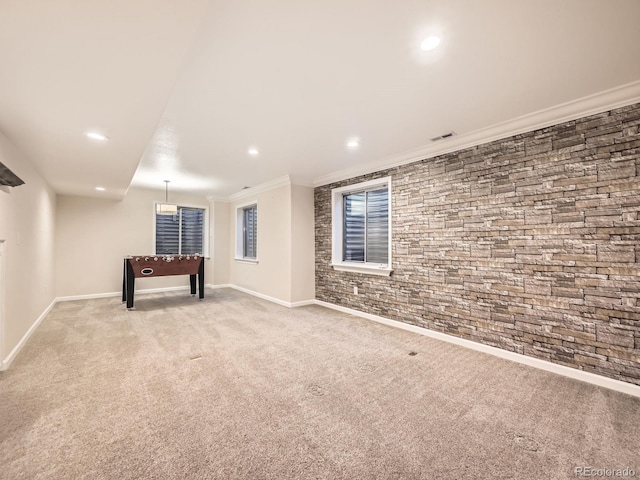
(141, 266)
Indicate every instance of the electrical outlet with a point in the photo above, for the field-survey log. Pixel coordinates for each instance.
(355, 290)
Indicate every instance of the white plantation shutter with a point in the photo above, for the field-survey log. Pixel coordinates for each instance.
(192, 227)
(366, 226)
(250, 232)
(354, 227)
(378, 226)
(180, 234)
(167, 234)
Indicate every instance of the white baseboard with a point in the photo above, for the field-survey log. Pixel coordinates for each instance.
(7, 361)
(303, 303)
(545, 365)
(4, 364)
(576, 374)
(266, 297)
(208, 285)
(262, 296)
(118, 294)
(592, 378)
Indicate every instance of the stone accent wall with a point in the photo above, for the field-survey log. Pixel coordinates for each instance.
(530, 244)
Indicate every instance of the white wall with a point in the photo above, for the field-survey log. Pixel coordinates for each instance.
(285, 267)
(27, 222)
(220, 246)
(68, 246)
(303, 275)
(271, 275)
(94, 235)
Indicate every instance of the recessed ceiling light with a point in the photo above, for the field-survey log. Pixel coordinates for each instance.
(430, 43)
(100, 189)
(97, 136)
(353, 143)
(253, 151)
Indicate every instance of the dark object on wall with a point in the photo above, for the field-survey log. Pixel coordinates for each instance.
(8, 178)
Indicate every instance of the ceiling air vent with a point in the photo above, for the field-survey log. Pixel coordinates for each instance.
(8, 178)
(443, 136)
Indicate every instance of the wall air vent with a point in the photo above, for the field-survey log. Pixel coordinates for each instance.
(8, 178)
(443, 136)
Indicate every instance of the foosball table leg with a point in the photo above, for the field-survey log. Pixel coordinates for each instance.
(192, 281)
(124, 281)
(131, 279)
(201, 279)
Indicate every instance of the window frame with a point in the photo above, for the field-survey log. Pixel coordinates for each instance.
(337, 230)
(240, 232)
(205, 227)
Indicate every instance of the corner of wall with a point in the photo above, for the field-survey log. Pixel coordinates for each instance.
(303, 287)
(219, 262)
(27, 224)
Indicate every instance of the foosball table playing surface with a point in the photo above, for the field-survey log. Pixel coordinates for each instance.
(141, 266)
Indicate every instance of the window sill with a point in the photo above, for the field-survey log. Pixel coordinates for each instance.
(247, 260)
(381, 271)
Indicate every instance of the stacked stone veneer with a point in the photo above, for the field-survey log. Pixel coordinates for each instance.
(530, 244)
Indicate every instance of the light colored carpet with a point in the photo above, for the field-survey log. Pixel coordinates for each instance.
(235, 387)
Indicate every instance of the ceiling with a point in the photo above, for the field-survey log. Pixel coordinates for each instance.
(183, 88)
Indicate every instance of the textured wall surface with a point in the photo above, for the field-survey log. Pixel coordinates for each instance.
(530, 244)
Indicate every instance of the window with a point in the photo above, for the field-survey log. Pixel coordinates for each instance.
(182, 233)
(250, 232)
(247, 232)
(361, 219)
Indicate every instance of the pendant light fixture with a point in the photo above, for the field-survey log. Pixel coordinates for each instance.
(166, 208)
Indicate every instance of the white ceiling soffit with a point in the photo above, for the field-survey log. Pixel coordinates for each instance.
(184, 89)
(297, 80)
(68, 67)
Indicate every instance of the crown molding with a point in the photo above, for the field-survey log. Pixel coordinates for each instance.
(583, 107)
(216, 199)
(263, 187)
